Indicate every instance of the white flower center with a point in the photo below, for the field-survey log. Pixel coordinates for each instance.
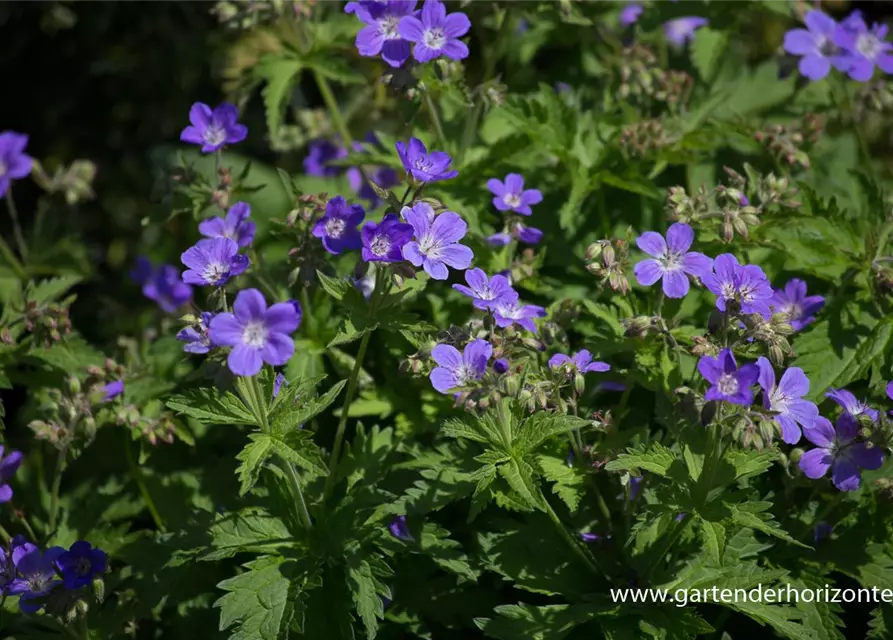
(423, 164)
(748, 293)
(512, 199)
(728, 290)
(727, 384)
(868, 45)
(793, 310)
(387, 26)
(672, 261)
(215, 134)
(254, 334)
(434, 38)
(215, 272)
(429, 246)
(335, 227)
(381, 245)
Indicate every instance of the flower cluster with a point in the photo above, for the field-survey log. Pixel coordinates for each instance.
(510, 197)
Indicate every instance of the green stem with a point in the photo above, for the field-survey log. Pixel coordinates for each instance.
(11, 259)
(5, 534)
(334, 111)
(54, 491)
(669, 541)
(435, 119)
(712, 455)
(16, 227)
(348, 399)
(569, 540)
(137, 474)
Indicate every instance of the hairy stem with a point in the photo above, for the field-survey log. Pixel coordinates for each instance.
(435, 119)
(334, 111)
(16, 227)
(54, 491)
(569, 540)
(144, 490)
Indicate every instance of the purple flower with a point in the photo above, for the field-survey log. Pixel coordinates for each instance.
(163, 285)
(38, 575)
(257, 334)
(747, 284)
(501, 366)
(839, 452)
(424, 166)
(320, 153)
(851, 405)
(80, 563)
(8, 466)
(213, 129)
(338, 227)
(821, 531)
(277, 384)
(213, 262)
(630, 14)
(499, 239)
(580, 362)
(511, 195)
(486, 293)
(635, 486)
(592, 537)
(384, 242)
(527, 235)
(436, 33)
(235, 226)
(197, 338)
(786, 400)
(682, 30)
(671, 260)
(457, 370)
(381, 34)
(815, 45)
(508, 313)
(793, 301)
(112, 390)
(400, 530)
(14, 163)
(729, 383)
(384, 177)
(365, 285)
(435, 246)
(865, 47)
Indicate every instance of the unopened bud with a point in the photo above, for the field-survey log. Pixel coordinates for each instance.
(579, 383)
(795, 455)
(74, 385)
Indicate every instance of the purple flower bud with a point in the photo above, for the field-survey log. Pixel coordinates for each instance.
(400, 530)
(501, 366)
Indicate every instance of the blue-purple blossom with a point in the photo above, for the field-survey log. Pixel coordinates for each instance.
(747, 284)
(728, 382)
(80, 563)
(235, 226)
(786, 400)
(821, 531)
(793, 301)
(256, 333)
(838, 450)
(436, 244)
(671, 260)
(512, 196)
(499, 239)
(682, 30)
(485, 292)
(320, 153)
(424, 166)
(587, 536)
(213, 262)
(635, 486)
(865, 47)
(459, 369)
(197, 338)
(8, 467)
(38, 575)
(278, 381)
(815, 45)
(630, 14)
(338, 227)
(381, 34)
(384, 242)
(435, 33)
(580, 362)
(213, 129)
(14, 162)
(527, 235)
(508, 313)
(163, 285)
(112, 390)
(384, 177)
(851, 405)
(400, 529)
(501, 366)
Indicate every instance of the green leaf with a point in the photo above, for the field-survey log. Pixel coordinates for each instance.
(50, 290)
(446, 553)
(296, 447)
(549, 622)
(249, 530)
(569, 216)
(707, 50)
(755, 516)
(289, 417)
(209, 406)
(252, 458)
(750, 463)
(654, 458)
(568, 481)
(541, 426)
(714, 536)
(259, 604)
(335, 287)
(365, 596)
(519, 476)
(279, 74)
(349, 333)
